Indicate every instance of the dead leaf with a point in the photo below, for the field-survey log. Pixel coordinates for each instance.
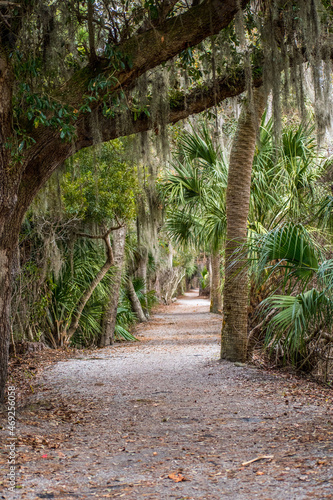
(177, 478)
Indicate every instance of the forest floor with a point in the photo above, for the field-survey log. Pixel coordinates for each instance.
(164, 419)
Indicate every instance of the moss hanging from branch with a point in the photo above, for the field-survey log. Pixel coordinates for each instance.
(295, 35)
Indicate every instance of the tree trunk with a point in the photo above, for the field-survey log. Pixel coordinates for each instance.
(5, 298)
(8, 252)
(142, 273)
(235, 303)
(67, 334)
(9, 179)
(110, 315)
(170, 255)
(215, 292)
(135, 302)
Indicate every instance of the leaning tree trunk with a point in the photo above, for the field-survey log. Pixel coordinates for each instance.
(68, 332)
(142, 273)
(215, 292)
(135, 302)
(110, 315)
(235, 297)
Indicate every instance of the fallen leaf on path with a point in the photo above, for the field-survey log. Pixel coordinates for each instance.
(261, 457)
(177, 478)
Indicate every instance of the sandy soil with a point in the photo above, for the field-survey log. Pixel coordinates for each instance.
(163, 418)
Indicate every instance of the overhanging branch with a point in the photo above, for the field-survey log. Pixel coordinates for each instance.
(154, 46)
(186, 104)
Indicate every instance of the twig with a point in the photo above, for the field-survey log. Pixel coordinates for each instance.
(12, 337)
(261, 323)
(261, 457)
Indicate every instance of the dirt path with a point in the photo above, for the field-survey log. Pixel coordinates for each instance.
(117, 423)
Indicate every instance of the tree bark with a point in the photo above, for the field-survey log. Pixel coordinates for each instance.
(235, 297)
(5, 298)
(110, 315)
(9, 179)
(91, 31)
(135, 302)
(215, 291)
(142, 273)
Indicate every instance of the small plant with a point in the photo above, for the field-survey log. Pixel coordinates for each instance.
(204, 280)
(147, 299)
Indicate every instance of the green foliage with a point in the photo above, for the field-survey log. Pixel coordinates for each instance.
(79, 269)
(285, 178)
(301, 318)
(194, 190)
(101, 187)
(299, 321)
(204, 280)
(125, 318)
(147, 299)
(97, 190)
(287, 256)
(289, 248)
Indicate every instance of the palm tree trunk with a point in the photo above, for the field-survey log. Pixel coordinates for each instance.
(235, 303)
(215, 292)
(110, 315)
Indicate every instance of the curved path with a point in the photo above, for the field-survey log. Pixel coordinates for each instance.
(117, 423)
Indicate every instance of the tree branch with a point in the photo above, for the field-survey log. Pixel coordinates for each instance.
(257, 327)
(154, 46)
(50, 151)
(100, 236)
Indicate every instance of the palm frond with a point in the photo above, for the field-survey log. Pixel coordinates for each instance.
(199, 146)
(183, 228)
(288, 247)
(298, 316)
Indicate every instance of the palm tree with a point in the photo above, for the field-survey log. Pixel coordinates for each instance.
(235, 303)
(283, 186)
(195, 189)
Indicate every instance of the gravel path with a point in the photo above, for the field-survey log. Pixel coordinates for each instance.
(117, 423)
